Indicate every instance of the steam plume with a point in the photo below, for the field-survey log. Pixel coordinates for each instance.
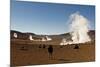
(79, 27)
(15, 35)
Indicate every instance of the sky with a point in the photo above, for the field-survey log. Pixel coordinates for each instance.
(47, 18)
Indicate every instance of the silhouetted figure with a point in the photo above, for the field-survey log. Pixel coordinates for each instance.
(23, 48)
(50, 51)
(76, 47)
(40, 46)
(44, 46)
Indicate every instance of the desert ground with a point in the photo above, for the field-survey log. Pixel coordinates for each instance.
(26, 52)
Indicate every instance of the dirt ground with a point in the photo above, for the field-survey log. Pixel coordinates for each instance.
(25, 52)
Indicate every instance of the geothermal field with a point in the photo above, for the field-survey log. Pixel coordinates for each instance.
(78, 45)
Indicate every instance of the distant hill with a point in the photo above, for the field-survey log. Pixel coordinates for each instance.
(25, 35)
(28, 33)
(14, 31)
(91, 33)
(20, 34)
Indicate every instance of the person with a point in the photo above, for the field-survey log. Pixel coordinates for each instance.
(76, 47)
(40, 46)
(50, 51)
(44, 46)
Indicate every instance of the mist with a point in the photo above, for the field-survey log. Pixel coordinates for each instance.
(79, 27)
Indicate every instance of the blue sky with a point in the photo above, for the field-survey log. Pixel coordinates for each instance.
(47, 18)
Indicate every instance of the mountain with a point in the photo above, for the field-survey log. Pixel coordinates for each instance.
(26, 35)
(91, 33)
(20, 34)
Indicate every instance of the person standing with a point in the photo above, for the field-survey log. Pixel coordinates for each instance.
(50, 51)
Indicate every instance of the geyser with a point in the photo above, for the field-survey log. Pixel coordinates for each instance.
(48, 38)
(30, 37)
(15, 35)
(79, 27)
